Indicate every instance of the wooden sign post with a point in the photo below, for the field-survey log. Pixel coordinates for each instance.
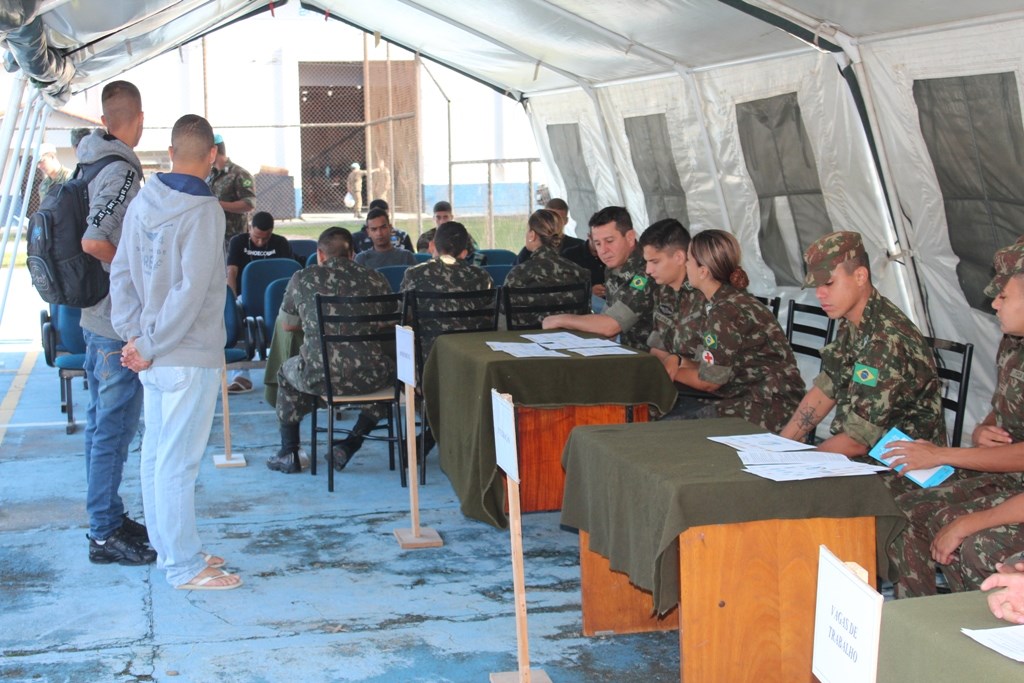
(416, 536)
(507, 457)
(227, 458)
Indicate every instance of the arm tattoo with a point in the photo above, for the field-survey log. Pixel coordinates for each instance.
(807, 420)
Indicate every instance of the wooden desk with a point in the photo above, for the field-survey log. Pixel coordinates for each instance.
(682, 524)
(552, 396)
(921, 641)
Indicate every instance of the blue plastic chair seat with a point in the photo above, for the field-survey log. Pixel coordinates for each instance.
(70, 361)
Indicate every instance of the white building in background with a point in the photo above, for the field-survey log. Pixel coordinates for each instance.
(245, 79)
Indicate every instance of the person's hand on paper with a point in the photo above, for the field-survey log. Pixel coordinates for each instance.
(988, 436)
(1006, 604)
(916, 455)
(947, 542)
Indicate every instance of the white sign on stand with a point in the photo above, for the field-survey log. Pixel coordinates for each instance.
(415, 536)
(847, 624)
(405, 347)
(505, 449)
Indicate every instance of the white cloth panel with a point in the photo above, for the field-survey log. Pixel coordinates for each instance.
(574, 107)
(892, 67)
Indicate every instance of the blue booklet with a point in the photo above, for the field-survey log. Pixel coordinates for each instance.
(929, 477)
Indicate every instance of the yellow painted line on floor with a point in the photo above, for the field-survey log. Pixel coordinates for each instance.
(13, 395)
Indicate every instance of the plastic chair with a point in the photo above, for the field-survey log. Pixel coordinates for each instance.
(432, 314)
(302, 250)
(256, 277)
(422, 256)
(272, 301)
(499, 273)
(498, 257)
(369, 322)
(526, 307)
(960, 373)
(64, 349)
(394, 275)
(233, 331)
(311, 261)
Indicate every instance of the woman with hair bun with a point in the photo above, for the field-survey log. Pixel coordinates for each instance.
(743, 356)
(545, 267)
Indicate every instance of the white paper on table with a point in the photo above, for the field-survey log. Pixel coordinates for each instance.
(1006, 640)
(613, 350)
(800, 471)
(567, 340)
(529, 350)
(761, 457)
(761, 442)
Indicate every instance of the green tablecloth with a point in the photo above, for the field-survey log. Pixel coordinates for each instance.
(283, 345)
(921, 641)
(457, 382)
(634, 488)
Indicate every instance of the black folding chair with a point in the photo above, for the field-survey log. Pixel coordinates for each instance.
(526, 307)
(432, 314)
(815, 323)
(366, 325)
(953, 362)
(774, 303)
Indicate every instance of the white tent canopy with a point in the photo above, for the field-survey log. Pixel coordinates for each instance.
(775, 119)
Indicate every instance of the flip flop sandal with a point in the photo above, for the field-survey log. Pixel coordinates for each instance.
(204, 584)
(212, 561)
(239, 387)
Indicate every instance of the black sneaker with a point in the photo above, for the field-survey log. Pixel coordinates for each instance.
(122, 550)
(133, 530)
(286, 461)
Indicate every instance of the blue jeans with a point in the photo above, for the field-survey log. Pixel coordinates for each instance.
(179, 413)
(115, 401)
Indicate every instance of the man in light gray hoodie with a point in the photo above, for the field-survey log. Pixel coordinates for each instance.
(167, 287)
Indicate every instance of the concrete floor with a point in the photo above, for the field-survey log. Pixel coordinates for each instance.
(328, 594)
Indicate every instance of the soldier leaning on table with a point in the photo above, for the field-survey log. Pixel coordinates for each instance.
(878, 373)
(630, 290)
(968, 526)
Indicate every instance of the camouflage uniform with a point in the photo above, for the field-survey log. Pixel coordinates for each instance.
(229, 185)
(545, 268)
(355, 371)
(676, 319)
(929, 510)
(881, 374)
(631, 299)
(443, 274)
(63, 175)
(743, 349)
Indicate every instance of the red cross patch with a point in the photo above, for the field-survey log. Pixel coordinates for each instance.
(708, 358)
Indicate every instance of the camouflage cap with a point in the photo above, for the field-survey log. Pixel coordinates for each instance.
(1008, 261)
(827, 253)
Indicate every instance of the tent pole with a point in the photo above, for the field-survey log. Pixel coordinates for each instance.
(10, 120)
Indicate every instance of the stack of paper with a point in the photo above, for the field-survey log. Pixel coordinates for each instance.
(583, 346)
(779, 459)
(1007, 640)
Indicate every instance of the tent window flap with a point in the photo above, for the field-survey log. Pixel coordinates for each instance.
(567, 149)
(651, 150)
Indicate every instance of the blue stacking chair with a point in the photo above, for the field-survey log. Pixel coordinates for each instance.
(498, 257)
(64, 349)
(422, 256)
(302, 250)
(272, 301)
(498, 273)
(233, 331)
(394, 275)
(311, 260)
(256, 277)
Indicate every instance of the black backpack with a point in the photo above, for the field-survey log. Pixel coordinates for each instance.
(61, 272)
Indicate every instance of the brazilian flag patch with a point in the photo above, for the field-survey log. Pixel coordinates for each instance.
(865, 374)
(710, 341)
(639, 282)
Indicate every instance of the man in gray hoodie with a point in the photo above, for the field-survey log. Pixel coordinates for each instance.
(167, 287)
(115, 395)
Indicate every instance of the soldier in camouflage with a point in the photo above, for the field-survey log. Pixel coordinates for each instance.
(879, 373)
(968, 526)
(54, 172)
(356, 371)
(234, 187)
(743, 358)
(630, 291)
(545, 268)
(677, 305)
(445, 273)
